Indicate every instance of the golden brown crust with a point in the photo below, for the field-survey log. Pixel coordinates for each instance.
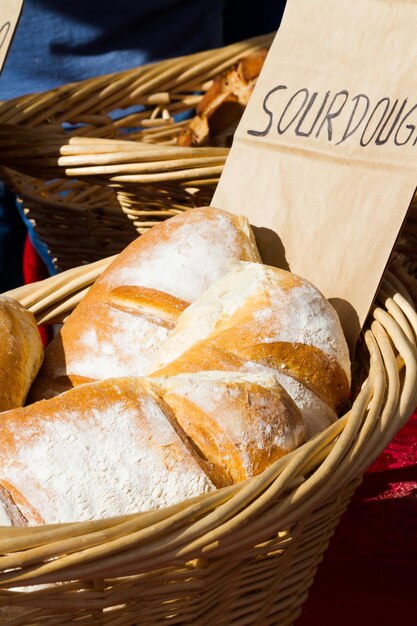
(178, 438)
(20, 511)
(104, 336)
(155, 304)
(202, 356)
(239, 424)
(231, 329)
(309, 365)
(21, 353)
(223, 464)
(230, 350)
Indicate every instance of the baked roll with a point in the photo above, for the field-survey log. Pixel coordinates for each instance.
(21, 353)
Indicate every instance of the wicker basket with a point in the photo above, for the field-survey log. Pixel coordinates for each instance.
(101, 165)
(246, 554)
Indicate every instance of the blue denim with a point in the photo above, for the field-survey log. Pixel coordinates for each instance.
(61, 41)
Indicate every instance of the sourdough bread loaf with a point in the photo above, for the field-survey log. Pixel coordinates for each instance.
(193, 366)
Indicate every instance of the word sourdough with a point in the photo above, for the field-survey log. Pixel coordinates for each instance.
(338, 117)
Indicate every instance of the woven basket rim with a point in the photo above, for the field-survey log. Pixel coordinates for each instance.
(184, 61)
(228, 519)
(78, 156)
(235, 521)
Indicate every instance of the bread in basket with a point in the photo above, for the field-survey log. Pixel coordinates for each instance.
(246, 553)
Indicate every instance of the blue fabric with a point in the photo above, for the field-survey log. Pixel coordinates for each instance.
(39, 246)
(61, 41)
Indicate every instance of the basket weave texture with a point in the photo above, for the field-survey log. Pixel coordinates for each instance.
(246, 554)
(95, 163)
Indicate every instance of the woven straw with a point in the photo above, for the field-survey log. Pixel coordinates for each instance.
(246, 554)
(92, 172)
(243, 555)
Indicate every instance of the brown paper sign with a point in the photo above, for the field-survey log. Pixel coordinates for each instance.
(324, 161)
(10, 11)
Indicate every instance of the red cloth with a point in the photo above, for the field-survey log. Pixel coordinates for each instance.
(369, 572)
(34, 269)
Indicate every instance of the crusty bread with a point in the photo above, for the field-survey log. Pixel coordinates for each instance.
(21, 353)
(258, 317)
(195, 397)
(134, 305)
(133, 444)
(240, 423)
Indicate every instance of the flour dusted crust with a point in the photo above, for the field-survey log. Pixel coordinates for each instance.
(99, 450)
(258, 316)
(21, 352)
(133, 444)
(241, 423)
(213, 367)
(134, 305)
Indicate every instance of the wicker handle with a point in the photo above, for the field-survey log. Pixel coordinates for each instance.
(147, 85)
(43, 154)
